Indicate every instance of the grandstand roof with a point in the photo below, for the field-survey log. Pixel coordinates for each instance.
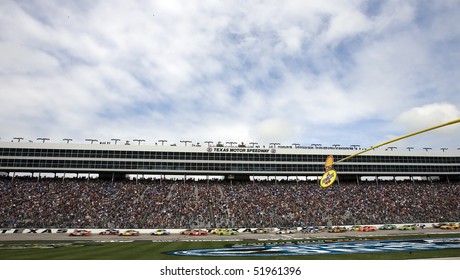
(223, 160)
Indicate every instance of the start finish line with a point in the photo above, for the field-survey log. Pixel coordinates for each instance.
(325, 248)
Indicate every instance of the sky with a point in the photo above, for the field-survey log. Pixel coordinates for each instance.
(326, 72)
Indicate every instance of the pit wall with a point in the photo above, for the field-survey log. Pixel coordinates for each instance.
(143, 231)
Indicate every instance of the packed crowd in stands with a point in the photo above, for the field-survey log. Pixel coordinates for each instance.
(94, 203)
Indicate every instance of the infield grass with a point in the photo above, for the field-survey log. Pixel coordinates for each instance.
(147, 250)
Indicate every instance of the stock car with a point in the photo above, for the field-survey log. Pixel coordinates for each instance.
(368, 228)
(311, 230)
(356, 228)
(387, 227)
(197, 232)
(129, 232)
(408, 227)
(216, 230)
(80, 232)
(439, 225)
(186, 232)
(160, 232)
(450, 226)
(227, 231)
(109, 232)
(261, 230)
(337, 229)
(286, 231)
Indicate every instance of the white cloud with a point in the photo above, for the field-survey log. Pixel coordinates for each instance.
(425, 117)
(237, 71)
(428, 115)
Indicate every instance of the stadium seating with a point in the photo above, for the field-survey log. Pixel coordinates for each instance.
(81, 203)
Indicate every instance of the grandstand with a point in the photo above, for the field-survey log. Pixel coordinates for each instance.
(239, 163)
(239, 200)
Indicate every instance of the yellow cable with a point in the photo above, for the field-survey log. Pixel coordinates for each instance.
(399, 138)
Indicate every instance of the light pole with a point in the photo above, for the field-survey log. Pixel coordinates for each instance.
(115, 139)
(67, 140)
(355, 146)
(209, 143)
(336, 145)
(296, 145)
(426, 149)
(19, 138)
(185, 141)
(162, 142)
(92, 140)
(444, 149)
(43, 139)
(231, 143)
(253, 143)
(316, 145)
(391, 148)
(409, 148)
(139, 141)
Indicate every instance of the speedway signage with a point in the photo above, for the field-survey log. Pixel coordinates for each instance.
(240, 150)
(304, 249)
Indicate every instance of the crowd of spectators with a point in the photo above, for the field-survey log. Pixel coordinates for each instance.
(95, 203)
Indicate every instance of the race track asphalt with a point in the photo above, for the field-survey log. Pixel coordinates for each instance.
(213, 237)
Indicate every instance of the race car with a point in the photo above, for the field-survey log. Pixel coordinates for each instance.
(109, 232)
(337, 229)
(286, 231)
(356, 228)
(408, 227)
(227, 231)
(261, 230)
(216, 230)
(186, 232)
(450, 226)
(80, 232)
(160, 232)
(129, 232)
(387, 227)
(439, 225)
(197, 232)
(311, 230)
(368, 228)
